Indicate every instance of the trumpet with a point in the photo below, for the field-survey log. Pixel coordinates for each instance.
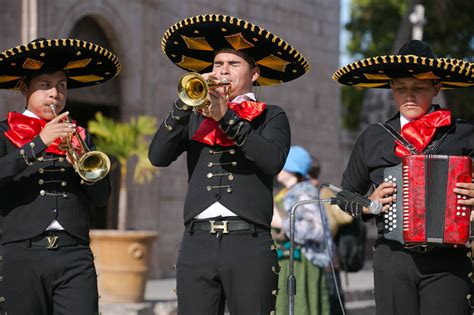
(193, 89)
(91, 166)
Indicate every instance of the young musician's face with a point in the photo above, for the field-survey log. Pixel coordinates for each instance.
(237, 71)
(44, 90)
(413, 97)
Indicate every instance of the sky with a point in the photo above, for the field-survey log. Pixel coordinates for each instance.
(344, 57)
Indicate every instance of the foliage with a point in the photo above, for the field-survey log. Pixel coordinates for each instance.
(448, 29)
(351, 107)
(126, 140)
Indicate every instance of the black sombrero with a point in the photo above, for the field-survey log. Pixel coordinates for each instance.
(415, 59)
(192, 43)
(85, 63)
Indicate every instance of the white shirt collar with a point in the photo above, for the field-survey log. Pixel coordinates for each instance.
(404, 120)
(244, 97)
(30, 114)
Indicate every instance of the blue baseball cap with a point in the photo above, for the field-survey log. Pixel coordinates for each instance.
(298, 161)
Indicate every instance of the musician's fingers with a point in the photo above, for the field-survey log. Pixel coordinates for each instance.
(472, 215)
(465, 189)
(59, 118)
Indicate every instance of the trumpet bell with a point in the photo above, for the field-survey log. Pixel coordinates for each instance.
(93, 166)
(192, 89)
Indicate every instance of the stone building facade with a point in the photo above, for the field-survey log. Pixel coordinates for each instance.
(148, 83)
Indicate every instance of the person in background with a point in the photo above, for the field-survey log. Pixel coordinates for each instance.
(312, 238)
(421, 279)
(336, 219)
(235, 146)
(47, 266)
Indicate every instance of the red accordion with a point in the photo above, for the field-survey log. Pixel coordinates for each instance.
(426, 203)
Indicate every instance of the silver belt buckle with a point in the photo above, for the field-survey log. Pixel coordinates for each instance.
(219, 227)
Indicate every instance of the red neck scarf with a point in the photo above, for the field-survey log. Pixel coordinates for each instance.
(419, 132)
(210, 133)
(24, 128)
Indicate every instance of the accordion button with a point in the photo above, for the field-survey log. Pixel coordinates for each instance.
(394, 226)
(458, 213)
(386, 226)
(468, 254)
(463, 214)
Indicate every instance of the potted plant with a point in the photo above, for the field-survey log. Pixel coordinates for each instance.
(122, 256)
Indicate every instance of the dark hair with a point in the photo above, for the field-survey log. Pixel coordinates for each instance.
(315, 169)
(27, 78)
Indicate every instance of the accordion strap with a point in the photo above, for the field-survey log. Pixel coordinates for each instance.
(398, 137)
(410, 147)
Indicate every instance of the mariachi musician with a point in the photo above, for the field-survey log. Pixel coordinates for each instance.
(46, 264)
(417, 279)
(235, 146)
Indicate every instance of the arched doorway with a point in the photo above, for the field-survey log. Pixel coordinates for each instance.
(84, 103)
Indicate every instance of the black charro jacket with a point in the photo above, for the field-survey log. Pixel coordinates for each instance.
(37, 187)
(374, 151)
(241, 176)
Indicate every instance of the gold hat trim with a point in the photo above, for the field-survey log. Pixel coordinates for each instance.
(193, 63)
(375, 76)
(263, 81)
(238, 42)
(8, 78)
(77, 64)
(460, 84)
(86, 78)
(197, 43)
(426, 76)
(64, 42)
(273, 62)
(232, 20)
(370, 85)
(32, 64)
(441, 63)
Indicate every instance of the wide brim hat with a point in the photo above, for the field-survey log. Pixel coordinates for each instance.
(191, 44)
(85, 63)
(414, 59)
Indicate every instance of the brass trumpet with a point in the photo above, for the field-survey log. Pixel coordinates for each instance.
(91, 166)
(193, 89)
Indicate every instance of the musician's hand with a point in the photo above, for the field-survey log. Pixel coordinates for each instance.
(465, 189)
(385, 194)
(56, 128)
(277, 221)
(217, 108)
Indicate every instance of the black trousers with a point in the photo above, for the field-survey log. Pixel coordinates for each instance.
(44, 281)
(240, 267)
(413, 283)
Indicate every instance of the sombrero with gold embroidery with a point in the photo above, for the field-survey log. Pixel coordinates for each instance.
(192, 43)
(414, 59)
(85, 63)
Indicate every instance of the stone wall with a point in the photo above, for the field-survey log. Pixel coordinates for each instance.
(147, 84)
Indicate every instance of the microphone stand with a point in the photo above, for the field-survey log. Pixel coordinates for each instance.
(291, 282)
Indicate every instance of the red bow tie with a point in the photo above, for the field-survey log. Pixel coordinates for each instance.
(209, 131)
(24, 128)
(419, 132)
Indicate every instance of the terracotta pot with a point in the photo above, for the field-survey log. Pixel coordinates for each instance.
(121, 260)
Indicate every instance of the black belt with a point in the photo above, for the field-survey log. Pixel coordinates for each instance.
(54, 239)
(224, 226)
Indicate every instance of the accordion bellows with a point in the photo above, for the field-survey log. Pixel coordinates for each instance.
(426, 205)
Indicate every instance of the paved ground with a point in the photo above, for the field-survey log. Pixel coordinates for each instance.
(160, 298)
